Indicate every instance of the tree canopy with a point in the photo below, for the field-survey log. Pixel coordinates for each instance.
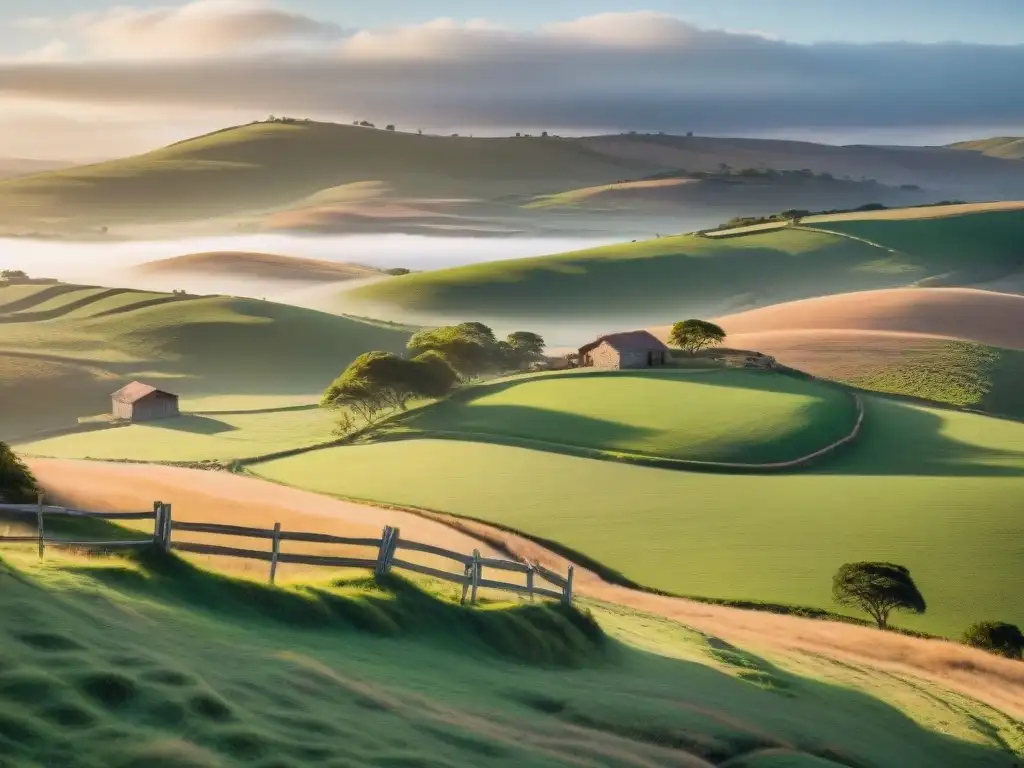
(378, 380)
(877, 589)
(17, 484)
(997, 637)
(472, 349)
(694, 335)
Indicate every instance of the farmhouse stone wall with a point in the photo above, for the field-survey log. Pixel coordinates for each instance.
(605, 356)
(634, 358)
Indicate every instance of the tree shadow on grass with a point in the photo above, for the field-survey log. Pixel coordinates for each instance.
(899, 439)
(197, 425)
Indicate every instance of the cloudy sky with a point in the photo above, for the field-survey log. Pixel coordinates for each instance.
(84, 79)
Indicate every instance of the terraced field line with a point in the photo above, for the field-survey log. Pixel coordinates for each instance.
(111, 486)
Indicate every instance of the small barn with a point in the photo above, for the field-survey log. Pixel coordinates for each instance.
(142, 402)
(630, 349)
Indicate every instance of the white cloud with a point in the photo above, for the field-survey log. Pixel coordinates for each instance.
(642, 71)
(204, 28)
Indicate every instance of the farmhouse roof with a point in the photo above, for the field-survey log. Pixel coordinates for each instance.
(638, 341)
(135, 391)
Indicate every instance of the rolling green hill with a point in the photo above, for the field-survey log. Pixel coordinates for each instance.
(65, 348)
(715, 416)
(144, 662)
(265, 166)
(651, 281)
(933, 490)
(1007, 147)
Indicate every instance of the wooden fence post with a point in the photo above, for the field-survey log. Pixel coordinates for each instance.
(158, 524)
(476, 575)
(395, 534)
(567, 590)
(529, 580)
(39, 523)
(275, 551)
(468, 574)
(167, 528)
(382, 553)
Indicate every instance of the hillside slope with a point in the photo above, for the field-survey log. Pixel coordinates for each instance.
(148, 662)
(1006, 147)
(268, 165)
(260, 266)
(323, 177)
(642, 283)
(217, 352)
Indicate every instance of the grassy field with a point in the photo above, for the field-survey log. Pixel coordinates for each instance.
(260, 266)
(968, 375)
(649, 281)
(132, 663)
(195, 437)
(730, 416)
(934, 490)
(1007, 147)
(215, 352)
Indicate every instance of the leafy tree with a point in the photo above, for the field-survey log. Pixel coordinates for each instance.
(396, 271)
(17, 484)
(469, 348)
(528, 344)
(11, 274)
(877, 589)
(434, 376)
(355, 396)
(389, 127)
(694, 335)
(997, 637)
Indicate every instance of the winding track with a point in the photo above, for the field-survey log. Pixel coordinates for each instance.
(222, 497)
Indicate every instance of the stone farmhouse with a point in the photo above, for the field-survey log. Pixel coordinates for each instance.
(629, 349)
(142, 402)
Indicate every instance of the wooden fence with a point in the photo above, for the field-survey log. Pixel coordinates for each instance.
(387, 556)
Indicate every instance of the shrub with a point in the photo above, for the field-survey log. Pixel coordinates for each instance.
(997, 637)
(17, 484)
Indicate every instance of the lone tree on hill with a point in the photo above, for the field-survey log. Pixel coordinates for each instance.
(694, 335)
(375, 381)
(996, 637)
(17, 484)
(877, 589)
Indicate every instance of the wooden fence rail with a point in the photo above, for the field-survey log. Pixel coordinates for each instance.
(381, 562)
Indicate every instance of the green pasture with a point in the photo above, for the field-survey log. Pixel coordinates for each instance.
(648, 282)
(195, 437)
(959, 373)
(1007, 147)
(144, 662)
(217, 353)
(937, 491)
(731, 416)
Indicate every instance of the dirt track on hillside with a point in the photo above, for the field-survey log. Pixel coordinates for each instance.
(220, 497)
(955, 313)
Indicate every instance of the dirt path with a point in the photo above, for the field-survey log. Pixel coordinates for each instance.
(221, 497)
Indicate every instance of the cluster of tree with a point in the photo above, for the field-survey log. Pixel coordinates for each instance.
(17, 485)
(12, 274)
(472, 349)
(377, 382)
(396, 271)
(794, 215)
(287, 120)
(878, 589)
(694, 335)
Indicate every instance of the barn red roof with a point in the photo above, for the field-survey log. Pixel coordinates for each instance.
(641, 341)
(136, 391)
